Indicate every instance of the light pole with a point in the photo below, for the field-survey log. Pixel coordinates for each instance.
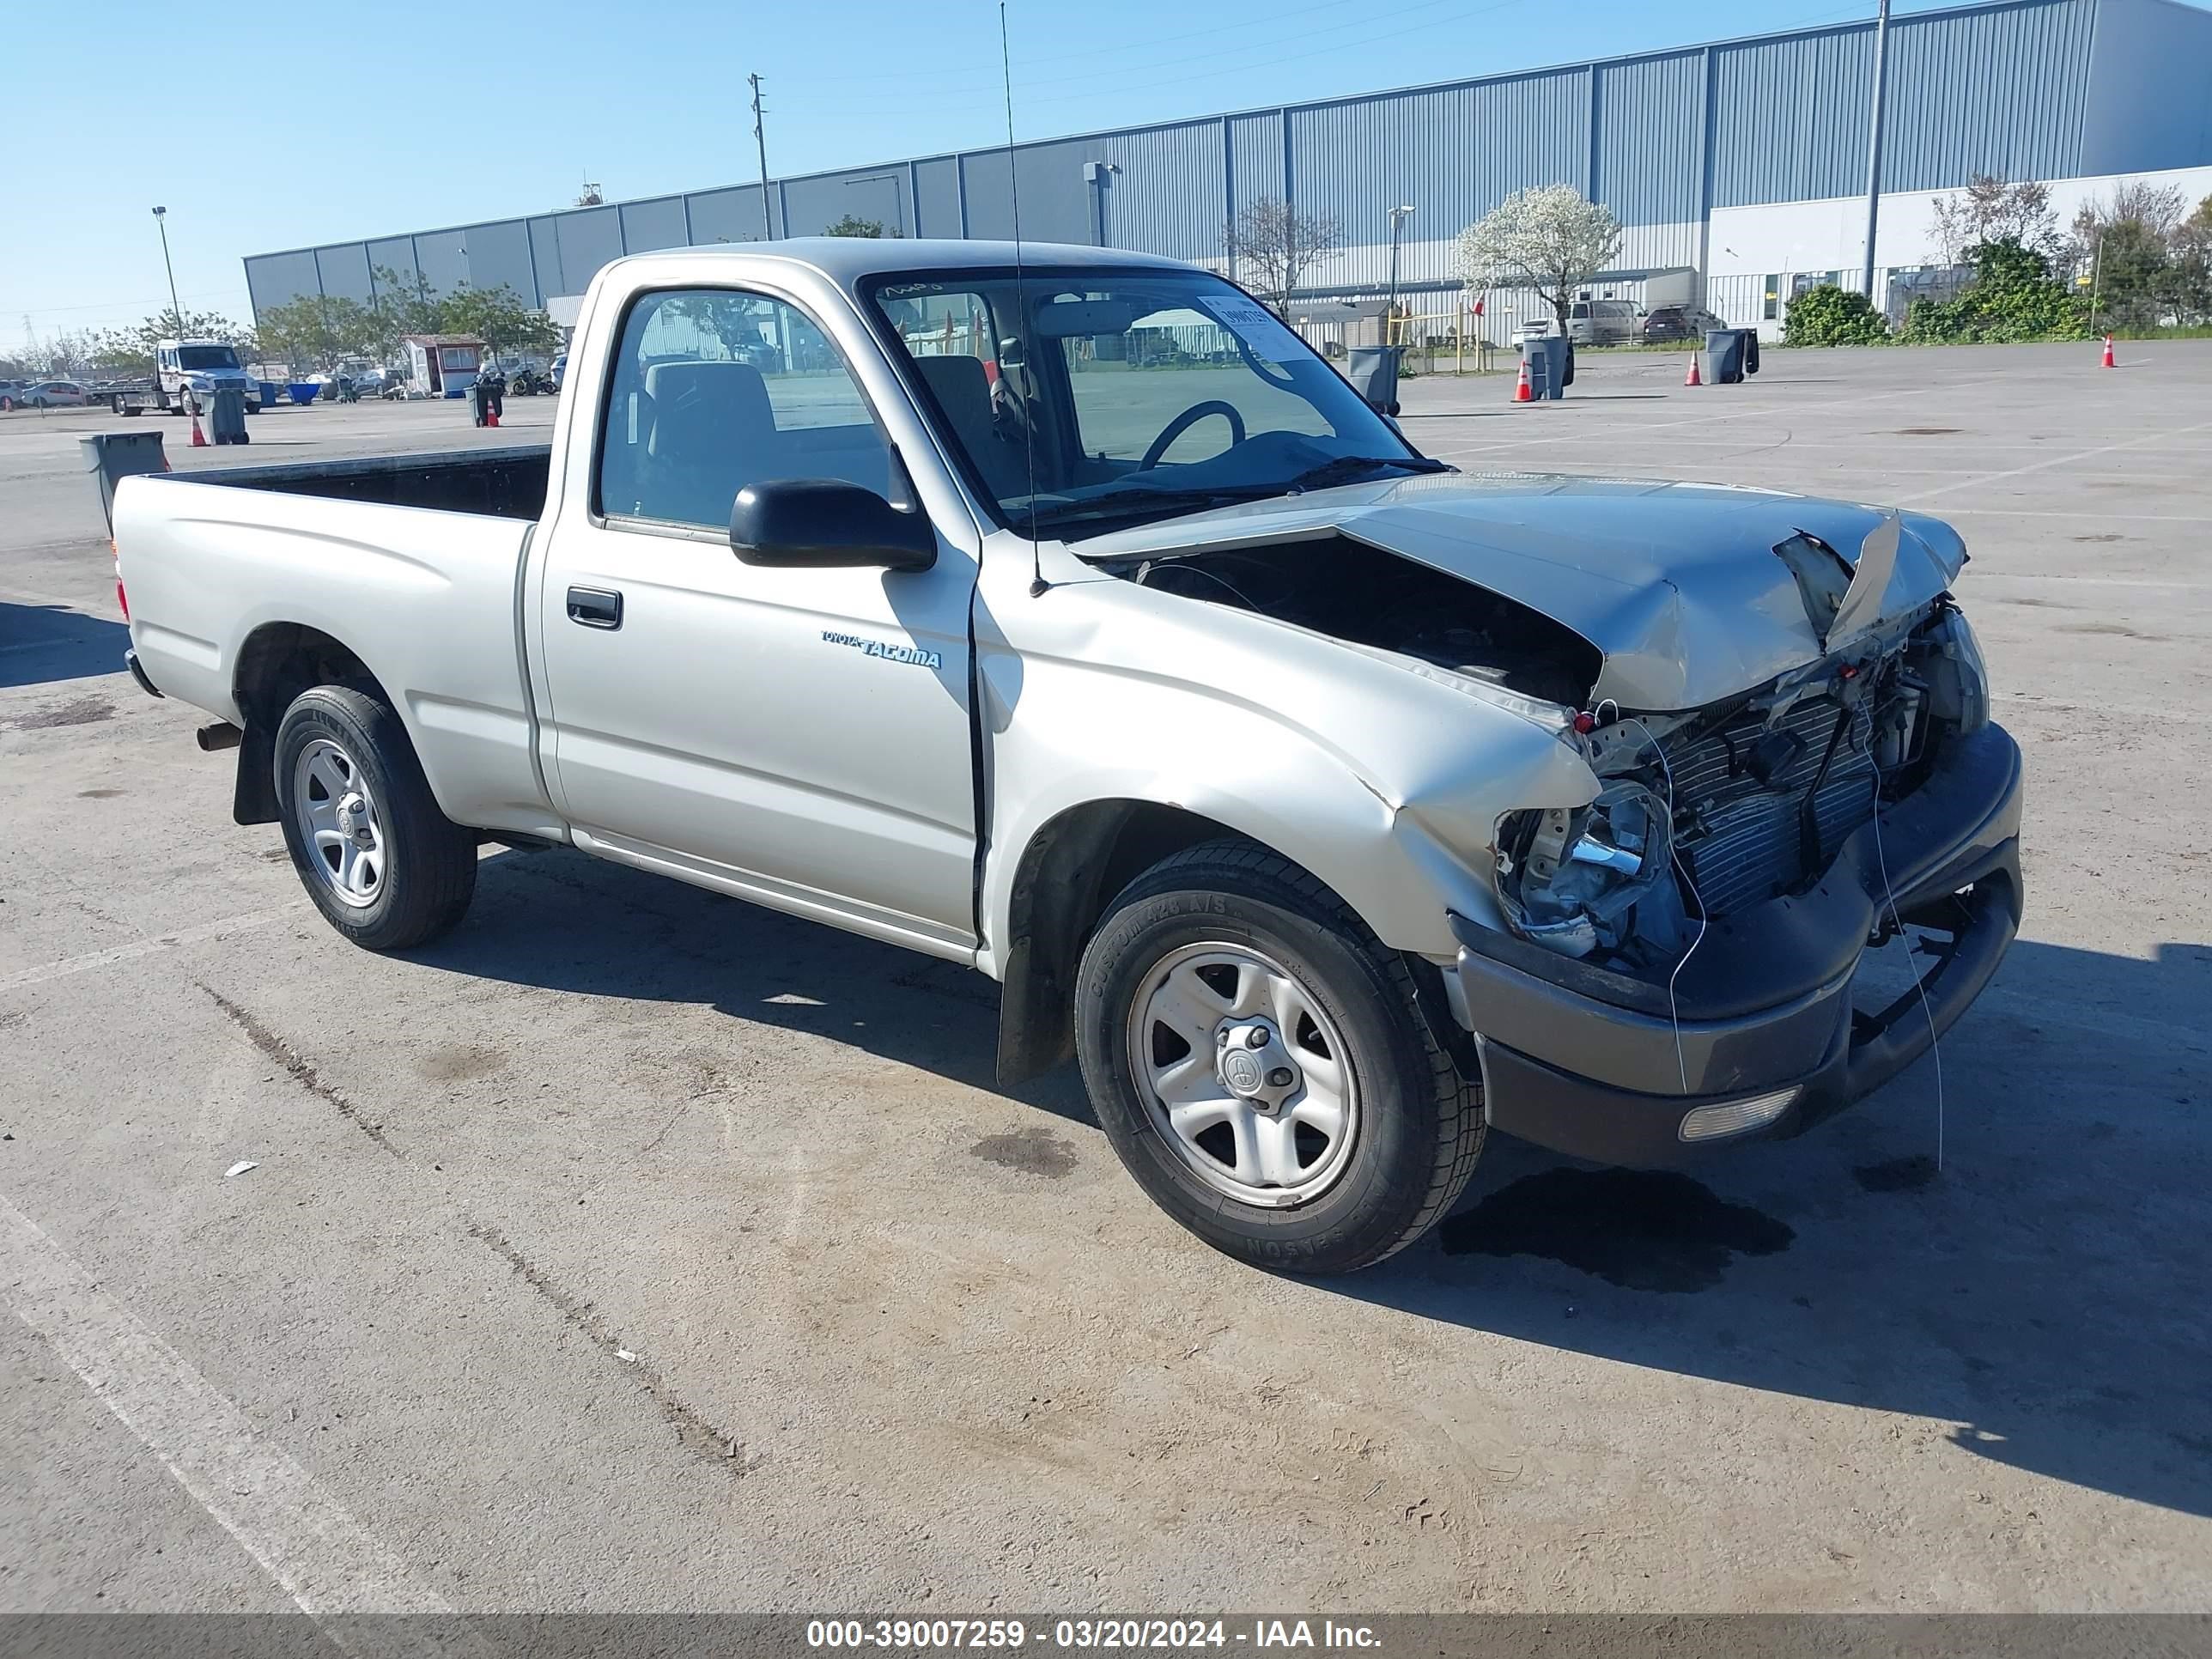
(161, 220)
(1398, 218)
(1873, 145)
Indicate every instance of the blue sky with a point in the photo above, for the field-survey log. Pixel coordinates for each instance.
(322, 121)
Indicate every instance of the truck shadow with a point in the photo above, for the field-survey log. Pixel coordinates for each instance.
(42, 643)
(2039, 1302)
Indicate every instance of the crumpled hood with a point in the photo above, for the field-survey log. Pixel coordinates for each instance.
(1677, 585)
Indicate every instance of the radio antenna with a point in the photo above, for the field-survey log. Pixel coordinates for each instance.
(1037, 583)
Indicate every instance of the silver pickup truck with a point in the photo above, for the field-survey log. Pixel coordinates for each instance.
(1064, 615)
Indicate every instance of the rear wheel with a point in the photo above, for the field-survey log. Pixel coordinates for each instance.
(385, 867)
(1257, 1058)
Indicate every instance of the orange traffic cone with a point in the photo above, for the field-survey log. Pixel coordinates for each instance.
(1693, 378)
(491, 416)
(1521, 394)
(2108, 363)
(199, 438)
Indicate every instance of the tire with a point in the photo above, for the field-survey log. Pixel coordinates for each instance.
(1410, 1127)
(391, 871)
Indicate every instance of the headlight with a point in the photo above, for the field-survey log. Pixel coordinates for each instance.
(1958, 679)
(199, 383)
(1570, 879)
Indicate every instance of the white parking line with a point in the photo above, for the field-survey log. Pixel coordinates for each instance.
(283, 1517)
(1973, 478)
(92, 959)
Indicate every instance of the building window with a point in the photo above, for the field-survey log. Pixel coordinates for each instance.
(1772, 303)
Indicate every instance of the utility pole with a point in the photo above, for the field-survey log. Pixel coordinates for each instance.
(1398, 218)
(1874, 146)
(760, 137)
(162, 219)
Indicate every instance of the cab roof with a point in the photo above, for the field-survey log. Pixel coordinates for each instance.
(848, 260)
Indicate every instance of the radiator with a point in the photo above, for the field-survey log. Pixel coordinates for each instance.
(1739, 837)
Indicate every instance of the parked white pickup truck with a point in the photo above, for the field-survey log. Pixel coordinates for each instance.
(1069, 619)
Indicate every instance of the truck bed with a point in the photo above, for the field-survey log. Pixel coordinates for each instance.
(499, 484)
(413, 564)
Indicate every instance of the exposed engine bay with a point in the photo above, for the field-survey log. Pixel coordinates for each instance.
(1706, 814)
(1349, 590)
(1701, 814)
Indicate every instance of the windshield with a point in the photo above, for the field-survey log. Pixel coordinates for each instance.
(1115, 396)
(206, 356)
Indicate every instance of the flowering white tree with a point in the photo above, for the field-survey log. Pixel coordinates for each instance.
(1552, 239)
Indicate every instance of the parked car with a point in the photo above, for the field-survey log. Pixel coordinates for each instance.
(1667, 323)
(1602, 322)
(560, 370)
(1330, 809)
(11, 394)
(54, 394)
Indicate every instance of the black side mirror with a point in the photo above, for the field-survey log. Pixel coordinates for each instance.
(820, 523)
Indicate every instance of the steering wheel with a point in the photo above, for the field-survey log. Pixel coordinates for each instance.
(1183, 422)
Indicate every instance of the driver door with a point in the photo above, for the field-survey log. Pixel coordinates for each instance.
(798, 737)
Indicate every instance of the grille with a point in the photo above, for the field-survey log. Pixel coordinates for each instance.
(1745, 847)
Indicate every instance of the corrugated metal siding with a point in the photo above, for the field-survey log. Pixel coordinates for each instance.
(1255, 148)
(1790, 116)
(878, 194)
(499, 255)
(572, 246)
(937, 191)
(2148, 97)
(2007, 87)
(1453, 153)
(1055, 203)
(724, 215)
(1168, 197)
(394, 253)
(1651, 138)
(1998, 92)
(343, 272)
(649, 225)
(278, 279)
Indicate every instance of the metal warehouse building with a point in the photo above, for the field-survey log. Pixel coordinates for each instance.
(1744, 161)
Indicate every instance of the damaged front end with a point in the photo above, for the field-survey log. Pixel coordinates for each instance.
(1704, 815)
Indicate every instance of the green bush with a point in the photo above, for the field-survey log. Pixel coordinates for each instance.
(2013, 298)
(1829, 316)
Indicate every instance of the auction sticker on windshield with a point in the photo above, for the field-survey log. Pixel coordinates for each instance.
(1252, 323)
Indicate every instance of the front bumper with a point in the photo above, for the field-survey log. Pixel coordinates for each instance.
(1598, 1064)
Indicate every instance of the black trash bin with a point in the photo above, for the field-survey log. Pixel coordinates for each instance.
(111, 457)
(1551, 360)
(1730, 354)
(225, 409)
(1373, 372)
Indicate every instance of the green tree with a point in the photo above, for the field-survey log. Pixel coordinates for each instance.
(131, 350)
(498, 317)
(2126, 241)
(401, 303)
(1831, 316)
(2192, 266)
(850, 225)
(318, 331)
(2014, 297)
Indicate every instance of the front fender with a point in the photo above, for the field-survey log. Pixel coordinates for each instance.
(1383, 783)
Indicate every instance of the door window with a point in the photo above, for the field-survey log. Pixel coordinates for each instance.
(712, 390)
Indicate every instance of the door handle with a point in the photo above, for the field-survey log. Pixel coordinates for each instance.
(595, 607)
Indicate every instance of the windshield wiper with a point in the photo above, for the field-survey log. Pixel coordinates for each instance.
(1137, 498)
(1348, 469)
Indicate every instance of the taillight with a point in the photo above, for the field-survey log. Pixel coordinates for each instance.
(122, 603)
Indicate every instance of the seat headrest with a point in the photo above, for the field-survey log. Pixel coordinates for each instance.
(696, 406)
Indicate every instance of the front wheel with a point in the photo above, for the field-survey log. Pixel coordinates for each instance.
(385, 867)
(1258, 1060)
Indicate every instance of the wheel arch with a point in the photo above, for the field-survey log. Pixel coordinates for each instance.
(276, 663)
